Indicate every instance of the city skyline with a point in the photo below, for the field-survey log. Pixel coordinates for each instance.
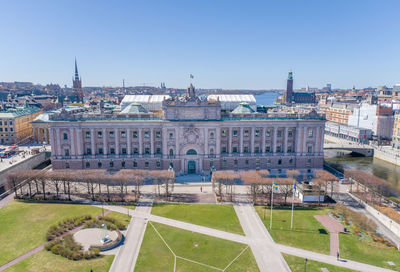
(224, 45)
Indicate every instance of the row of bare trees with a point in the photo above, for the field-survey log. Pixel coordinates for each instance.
(88, 183)
(371, 184)
(260, 183)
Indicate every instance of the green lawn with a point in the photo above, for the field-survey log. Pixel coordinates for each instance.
(296, 264)
(222, 217)
(353, 249)
(307, 232)
(121, 217)
(24, 225)
(155, 256)
(45, 261)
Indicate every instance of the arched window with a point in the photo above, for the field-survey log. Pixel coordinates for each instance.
(211, 135)
(87, 164)
(211, 151)
(191, 152)
(171, 152)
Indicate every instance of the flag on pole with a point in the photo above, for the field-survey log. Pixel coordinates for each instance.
(191, 76)
(275, 186)
(294, 187)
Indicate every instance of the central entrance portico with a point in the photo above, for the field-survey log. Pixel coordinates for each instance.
(191, 167)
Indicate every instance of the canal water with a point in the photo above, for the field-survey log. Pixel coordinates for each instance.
(382, 169)
(266, 99)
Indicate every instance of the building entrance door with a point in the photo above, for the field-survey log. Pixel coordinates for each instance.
(191, 167)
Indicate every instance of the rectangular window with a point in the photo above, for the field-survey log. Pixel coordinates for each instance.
(158, 134)
(278, 149)
(5, 123)
(123, 164)
(147, 151)
(88, 151)
(235, 133)
(289, 149)
(1, 123)
(99, 134)
(135, 134)
(257, 133)
(309, 149)
(158, 164)
(223, 149)
(135, 164)
(246, 133)
(223, 133)
(268, 133)
(257, 149)
(6, 129)
(246, 149)
(11, 129)
(235, 162)
(123, 134)
(111, 133)
(112, 151)
(66, 152)
(65, 135)
(123, 151)
(257, 163)
(290, 133)
(111, 164)
(87, 134)
(234, 149)
(158, 150)
(101, 151)
(310, 133)
(171, 135)
(247, 162)
(224, 163)
(267, 149)
(146, 164)
(147, 134)
(279, 133)
(10, 123)
(135, 150)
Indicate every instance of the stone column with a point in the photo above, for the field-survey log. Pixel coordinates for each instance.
(304, 139)
(79, 142)
(151, 141)
(72, 141)
(35, 135)
(317, 143)
(116, 135)
(58, 136)
(165, 142)
(39, 141)
(92, 143)
(206, 147)
(140, 141)
(45, 135)
(285, 141)
(274, 143)
(241, 141)
(321, 146)
(252, 140)
(105, 147)
(218, 141)
(263, 140)
(128, 142)
(230, 141)
(177, 145)
(53, 147)
(298, 137)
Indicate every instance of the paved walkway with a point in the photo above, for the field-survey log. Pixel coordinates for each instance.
(6, 200)
(263, 247)
(125, 260)
(330, 259)
(334, 227)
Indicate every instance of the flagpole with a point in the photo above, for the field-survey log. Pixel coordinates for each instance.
(294, 189)
(272, 204)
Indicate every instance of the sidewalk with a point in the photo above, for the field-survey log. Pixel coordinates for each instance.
(126, 258)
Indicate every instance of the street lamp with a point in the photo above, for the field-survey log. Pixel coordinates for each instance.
(305, 265)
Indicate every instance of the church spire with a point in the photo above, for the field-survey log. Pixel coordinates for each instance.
(76, 71)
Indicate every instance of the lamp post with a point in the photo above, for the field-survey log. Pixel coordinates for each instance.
(305, 265)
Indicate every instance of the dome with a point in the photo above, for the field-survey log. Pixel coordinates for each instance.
(243, 108)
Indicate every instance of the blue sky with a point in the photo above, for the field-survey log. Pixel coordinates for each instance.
(225, 44)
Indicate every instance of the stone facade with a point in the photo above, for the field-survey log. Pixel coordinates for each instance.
(190, 135)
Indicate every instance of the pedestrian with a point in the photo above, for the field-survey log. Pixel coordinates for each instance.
(201, 188)
(338, 256)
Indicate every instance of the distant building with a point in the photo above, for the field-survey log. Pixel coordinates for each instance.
(354, 134)
(77, 86)
(15, 124)
(291, 97)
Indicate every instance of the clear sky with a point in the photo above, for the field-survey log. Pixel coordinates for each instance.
(224, 44)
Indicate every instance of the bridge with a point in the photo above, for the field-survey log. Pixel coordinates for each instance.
(343, 144)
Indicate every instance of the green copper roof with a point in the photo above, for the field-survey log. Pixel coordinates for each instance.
(13, 113)
(134, 107)
(243, 108)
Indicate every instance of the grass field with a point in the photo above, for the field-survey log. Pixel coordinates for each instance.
(212, 252)
(121, 217)
(296, 264)
(354, 249)
(45, 261)
(222, 217)
(307, 232)
(24, 225)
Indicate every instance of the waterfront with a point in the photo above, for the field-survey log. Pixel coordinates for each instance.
(379, 168)
(266, 99)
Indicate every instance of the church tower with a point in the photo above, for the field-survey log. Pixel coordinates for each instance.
(289, 89)
(77, 86)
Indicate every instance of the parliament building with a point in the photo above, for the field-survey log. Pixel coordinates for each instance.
(190, 134)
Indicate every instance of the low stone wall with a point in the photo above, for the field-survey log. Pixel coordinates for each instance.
(27, 164)
(393, 226)
(387, 156)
